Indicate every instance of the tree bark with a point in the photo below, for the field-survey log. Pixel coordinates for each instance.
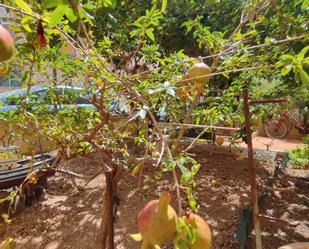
(106, 232)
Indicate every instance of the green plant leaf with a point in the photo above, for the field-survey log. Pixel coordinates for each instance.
(302, 53)
(25, 23)
(85, 15)
(286, 70)
(49, 4)
(149, 33)
(305, 61)
(287, 58)
(164, 4)
(69, 13)
(181, 244)
(57, 15)
(24, 6)
(304, 77)
(108, 3)
(135, 32)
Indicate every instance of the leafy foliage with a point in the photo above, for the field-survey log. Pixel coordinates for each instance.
(136, 53)
(300, 156)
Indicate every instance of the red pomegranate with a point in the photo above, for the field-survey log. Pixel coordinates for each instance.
(157, 222)
(6, 44)
(203, 233)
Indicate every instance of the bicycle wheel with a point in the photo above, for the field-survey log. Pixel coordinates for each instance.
(276, 129)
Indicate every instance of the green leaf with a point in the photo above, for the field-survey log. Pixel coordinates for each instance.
(114, 3)
(49, 4)
(6, 218)
(85, 15)
(304, 77)
(305, 61)
(181, 244)
(69, 13)
(305, 5)
(25, 23)
(136, 169)
(164, 4)
(57, 15)
(286, 70)
(186, 175)
(24, 6)
(287, 58)
(108, 3)
(135, 32)
(169, 163)
(302, 53)
(149, 33)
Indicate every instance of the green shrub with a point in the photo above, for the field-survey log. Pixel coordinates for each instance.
(300, 155)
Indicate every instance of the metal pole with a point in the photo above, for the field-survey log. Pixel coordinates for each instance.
(252, 171)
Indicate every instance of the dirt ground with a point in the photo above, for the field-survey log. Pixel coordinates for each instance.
(68, 214)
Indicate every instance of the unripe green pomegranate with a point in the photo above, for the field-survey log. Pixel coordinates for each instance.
(203, 233)
(198, 70)
(157, 222)
(6, 44)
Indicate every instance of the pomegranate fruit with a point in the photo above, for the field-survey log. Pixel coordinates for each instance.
(198, 70)
(219, 140)
(41, 40)
(256, 120)
(203, 233)
(157, 222)
(6, 44)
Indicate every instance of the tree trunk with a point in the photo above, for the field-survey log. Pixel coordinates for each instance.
(106, 229)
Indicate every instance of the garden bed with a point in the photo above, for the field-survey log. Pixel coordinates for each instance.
(69, 215)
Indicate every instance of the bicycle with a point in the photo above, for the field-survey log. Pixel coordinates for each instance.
(279, 126)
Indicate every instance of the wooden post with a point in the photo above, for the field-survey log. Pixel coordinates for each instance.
(252, 171)
(110, 218)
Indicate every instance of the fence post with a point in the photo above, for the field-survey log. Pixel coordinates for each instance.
(252, 171)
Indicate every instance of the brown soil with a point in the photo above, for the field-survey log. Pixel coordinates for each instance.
(68, 215)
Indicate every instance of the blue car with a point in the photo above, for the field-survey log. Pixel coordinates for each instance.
(70, 96)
